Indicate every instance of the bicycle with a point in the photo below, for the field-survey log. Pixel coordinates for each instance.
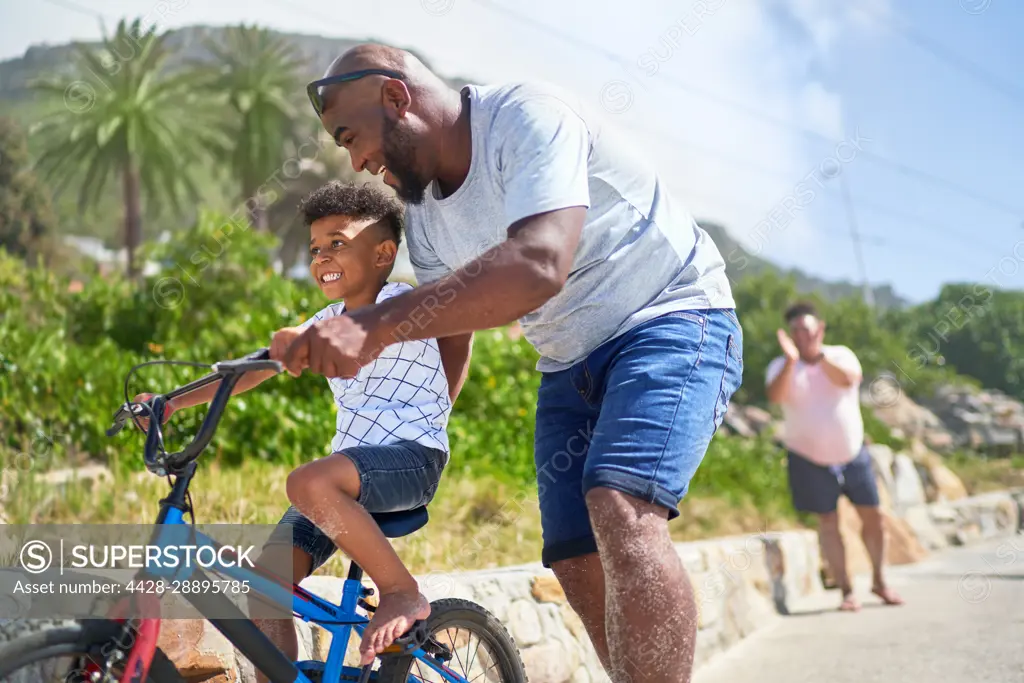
(124, 649)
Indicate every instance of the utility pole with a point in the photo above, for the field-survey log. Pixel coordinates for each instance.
(869, 298)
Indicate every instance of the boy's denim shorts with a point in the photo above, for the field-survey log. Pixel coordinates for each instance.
(392, 478)
(636, 415)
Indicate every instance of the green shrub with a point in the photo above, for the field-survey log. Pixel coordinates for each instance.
(65, 356)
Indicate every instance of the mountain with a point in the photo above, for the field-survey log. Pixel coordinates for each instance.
(186, 45)
(317, 52)
(740, 262)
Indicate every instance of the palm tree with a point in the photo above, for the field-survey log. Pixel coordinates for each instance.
(257, 76)
(122, 116)
(328, 163)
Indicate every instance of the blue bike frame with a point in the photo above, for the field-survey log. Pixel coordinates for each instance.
(339, 620)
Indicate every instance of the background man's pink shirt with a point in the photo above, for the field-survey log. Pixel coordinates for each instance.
(823, 422)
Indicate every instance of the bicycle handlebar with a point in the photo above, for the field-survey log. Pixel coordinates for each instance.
(227, 373)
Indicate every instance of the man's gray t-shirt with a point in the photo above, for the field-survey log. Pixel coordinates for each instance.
(640, 255)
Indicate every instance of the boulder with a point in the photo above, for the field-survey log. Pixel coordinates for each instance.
(940, 483)
(908, 489)
(737, 422)
(901, 414)
(199, 650)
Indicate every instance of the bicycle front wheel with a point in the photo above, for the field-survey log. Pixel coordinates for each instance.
(481, 648)
(57, 651)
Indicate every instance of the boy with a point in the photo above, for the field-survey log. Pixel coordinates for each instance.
(390, 445)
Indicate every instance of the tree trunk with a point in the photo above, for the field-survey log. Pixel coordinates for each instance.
(255, 211)
(132, 216)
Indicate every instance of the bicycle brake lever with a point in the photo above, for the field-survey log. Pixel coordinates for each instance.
(121, 417)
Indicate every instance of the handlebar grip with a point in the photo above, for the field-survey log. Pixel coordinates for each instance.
(254, 362)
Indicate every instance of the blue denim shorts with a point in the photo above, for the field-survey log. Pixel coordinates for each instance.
(816, 488)
(393, 477)
(636, 415)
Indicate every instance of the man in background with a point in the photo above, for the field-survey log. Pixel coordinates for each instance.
(818, 387)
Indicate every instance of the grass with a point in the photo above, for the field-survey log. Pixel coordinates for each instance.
(475, 523)
(980, 474)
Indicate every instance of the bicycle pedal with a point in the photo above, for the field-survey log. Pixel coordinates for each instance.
(411, 640)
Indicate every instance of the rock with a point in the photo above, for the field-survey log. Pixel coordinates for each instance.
(95, 472)
(547, 589)
(736, 421)
(947, 484)
(908, 490)
(546, 663)
(758, 418)
(903, 546)
(920, 521)
(574, 623)
(198, 650)
(897, 411)
(985, 420)
(940, 483)
(581, 676)
(524, 622)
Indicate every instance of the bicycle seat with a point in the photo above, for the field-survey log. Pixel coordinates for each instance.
(402, 523)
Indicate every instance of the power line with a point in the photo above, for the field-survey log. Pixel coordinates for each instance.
(869, 299)
(75, 7)
(880, 209)
(753, 112)
(944, 54)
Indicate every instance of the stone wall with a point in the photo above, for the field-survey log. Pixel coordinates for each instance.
(740, 584)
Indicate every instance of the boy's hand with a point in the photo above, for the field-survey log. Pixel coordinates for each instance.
(280, 342)
(169, 409)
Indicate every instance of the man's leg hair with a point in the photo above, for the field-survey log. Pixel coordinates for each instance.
(651, 612)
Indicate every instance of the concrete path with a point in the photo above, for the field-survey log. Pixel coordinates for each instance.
(963, 622)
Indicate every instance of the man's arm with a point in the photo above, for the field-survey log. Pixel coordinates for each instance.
(778, 386)
(514, 278)
(841, 370)
(455, 353)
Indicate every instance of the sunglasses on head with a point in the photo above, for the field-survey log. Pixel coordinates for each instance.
(316, 94)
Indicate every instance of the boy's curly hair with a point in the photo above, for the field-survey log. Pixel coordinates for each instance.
(356, 201)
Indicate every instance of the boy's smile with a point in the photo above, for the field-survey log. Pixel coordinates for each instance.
(348, 258)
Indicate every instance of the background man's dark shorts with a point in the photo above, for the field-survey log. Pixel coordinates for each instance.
(816, 488)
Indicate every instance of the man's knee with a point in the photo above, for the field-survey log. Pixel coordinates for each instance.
(614, 506)
(626, 527)
(871, 517)
(828, 522)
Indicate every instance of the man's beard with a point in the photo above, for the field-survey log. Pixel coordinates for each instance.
(400, 160)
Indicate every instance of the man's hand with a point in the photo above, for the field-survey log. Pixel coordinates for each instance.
(336, 347)
(788, 346)
(280, 342)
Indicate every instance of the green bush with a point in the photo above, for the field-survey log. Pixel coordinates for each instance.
(65, 356)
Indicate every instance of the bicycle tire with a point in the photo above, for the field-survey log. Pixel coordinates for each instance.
(452, 611)
(21, 640)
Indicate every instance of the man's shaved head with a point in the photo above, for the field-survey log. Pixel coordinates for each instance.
(384, 122)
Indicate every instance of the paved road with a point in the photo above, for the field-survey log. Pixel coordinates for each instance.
(963, 622)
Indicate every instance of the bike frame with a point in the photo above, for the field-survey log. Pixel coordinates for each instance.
(339, 620)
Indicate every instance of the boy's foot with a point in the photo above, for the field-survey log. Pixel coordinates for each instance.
(395, 614)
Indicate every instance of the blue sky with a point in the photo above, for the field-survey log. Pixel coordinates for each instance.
(742, 105)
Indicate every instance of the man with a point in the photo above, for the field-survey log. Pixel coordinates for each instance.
(818, 386)
(520, 206)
